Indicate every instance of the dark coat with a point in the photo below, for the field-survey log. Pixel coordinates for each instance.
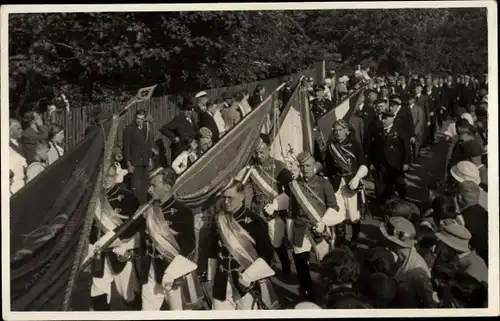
(405, 93)
(286, 94)
(138, 144)
(182, 128)
(466, 94)
(257, 228)
(422, 101)
(126, 203)
(391, 150)
(181, 220)
(404, 121)
(206, 120)
(476, 221)
(433, 100)
(255, 100)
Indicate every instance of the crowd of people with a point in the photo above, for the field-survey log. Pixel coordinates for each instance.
(433, 257)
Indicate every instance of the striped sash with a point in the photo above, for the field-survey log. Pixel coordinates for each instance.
(312, 211)
(264, 182)
(340, 154)
(105, 216)
(161, 234)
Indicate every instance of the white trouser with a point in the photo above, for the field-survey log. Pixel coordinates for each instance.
(125, 281)
(350, 199)
(243, 303)
(153, 295)
(276, 231)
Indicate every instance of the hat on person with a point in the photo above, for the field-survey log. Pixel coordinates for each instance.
(303, 157)
(328, 81)
(187, 104)
(466, 76)
(205, 132)
(387, 113)
(343, 79)
(472, 149)
(380, 101)
(468, 117)
(395, 99)
(466, 171)
(227, 95)
(455, 236)
(201, 94)
(357, 73)
(399, 231)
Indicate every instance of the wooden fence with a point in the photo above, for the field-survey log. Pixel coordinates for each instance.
(161, 109)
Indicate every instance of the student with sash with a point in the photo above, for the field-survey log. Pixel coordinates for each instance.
(346, 167)
(239, 255)
(315, 208)
(167, 270)
(114, 207)
(17, 156)
(266, 194)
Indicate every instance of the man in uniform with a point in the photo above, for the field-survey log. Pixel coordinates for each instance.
(170, 238)
(239, 244)
(115, 264)
(315, 208)
(321, 104)
(389, 158)
(180, 129)
(346, 166)
(403, 117)
(266, 195)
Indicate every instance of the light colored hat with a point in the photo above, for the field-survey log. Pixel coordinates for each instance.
(205, 132)
(306, 305)
(328, 81)
(357, 73)
(455, 236)
(344, 79)
(303, 157)
(466, 171)
(201, 94)
(399, 231)
(468, 117)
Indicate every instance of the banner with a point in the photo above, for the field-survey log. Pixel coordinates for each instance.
(46, 219)
(211, 171)
(342, 111)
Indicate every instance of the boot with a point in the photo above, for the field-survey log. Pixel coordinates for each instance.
(356, 230)
(100, 302)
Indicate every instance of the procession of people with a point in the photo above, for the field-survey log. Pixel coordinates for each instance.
(273, 222)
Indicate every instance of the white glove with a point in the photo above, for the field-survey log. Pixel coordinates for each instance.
(100, 242)
(320, 227)
(120, 250)
(354, 183)
(270, 209)
(244, 280)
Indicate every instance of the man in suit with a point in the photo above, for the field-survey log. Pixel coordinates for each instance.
(34, 131)
(231, 113)
(180, 129)
(257, 97)
(390, 158)
(320, 104)
(403, 89)
(138, 153)
(450, 96)
(17, 156)
(418, 117)
(467, 93)
(287, 91)
(434, 106)
(238, 240)
(212, 119)
(403, 118)
(441, 111)
(366, 112)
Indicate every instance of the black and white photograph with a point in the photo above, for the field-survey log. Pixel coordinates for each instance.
(190, 160)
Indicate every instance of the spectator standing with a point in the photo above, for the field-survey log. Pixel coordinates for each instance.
(17, 156)
(212, 119)
(137, 146)
(34, 131)
(231, 112)
(257, 96)
(180, 129)
(56, 139)
(418, 117)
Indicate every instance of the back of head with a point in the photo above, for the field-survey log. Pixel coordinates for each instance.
(380, 260)
(468, 291)
(402, 208)
(469, 192)
(340, 267)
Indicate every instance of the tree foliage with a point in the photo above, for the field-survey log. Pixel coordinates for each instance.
(95, 57)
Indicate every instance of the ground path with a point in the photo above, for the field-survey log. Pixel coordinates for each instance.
(430, 167)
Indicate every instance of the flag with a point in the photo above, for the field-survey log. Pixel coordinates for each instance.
(208, 175)
(343, 111)
(46, 220)
(144, 93)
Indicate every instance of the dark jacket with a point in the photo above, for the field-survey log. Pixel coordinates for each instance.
(180, 127)
(404, 121)
(138, 144)
(206, 120)
(476, 221)
(257, 228)
(405, 93)
(125, 203)
(391, 150)
(422, 101)
(180, 219)
(255, 100)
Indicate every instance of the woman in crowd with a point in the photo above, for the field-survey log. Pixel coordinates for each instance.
(56, 139)
(39, 160)
(187, 157)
